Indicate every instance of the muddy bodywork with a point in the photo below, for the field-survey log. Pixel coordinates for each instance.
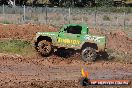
(75, 41)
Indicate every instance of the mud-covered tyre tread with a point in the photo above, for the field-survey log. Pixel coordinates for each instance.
(93, 57)
(40, 50)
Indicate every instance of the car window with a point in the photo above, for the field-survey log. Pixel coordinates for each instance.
(74, 29)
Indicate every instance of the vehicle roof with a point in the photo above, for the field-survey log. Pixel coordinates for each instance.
(83, 25)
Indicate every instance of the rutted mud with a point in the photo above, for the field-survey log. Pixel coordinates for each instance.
(117, 40)
(54, 71)
(17, 69)
(25, 31)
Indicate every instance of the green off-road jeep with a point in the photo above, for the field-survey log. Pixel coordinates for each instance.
(71, 36)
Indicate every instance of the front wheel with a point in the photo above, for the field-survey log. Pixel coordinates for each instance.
(89, 54)
(44, 48)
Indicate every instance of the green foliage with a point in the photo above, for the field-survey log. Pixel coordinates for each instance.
(104, 2)
(16, 47)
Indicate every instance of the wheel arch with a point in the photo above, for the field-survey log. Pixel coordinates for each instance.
(40, 38)
(89, 44)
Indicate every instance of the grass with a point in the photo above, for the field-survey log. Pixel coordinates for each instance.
(115, 9)
(5, 22)
(16, 47)
(102, 9)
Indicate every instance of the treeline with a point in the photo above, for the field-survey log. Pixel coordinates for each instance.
(67, 3)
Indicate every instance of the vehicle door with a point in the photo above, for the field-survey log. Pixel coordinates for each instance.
(70, 37)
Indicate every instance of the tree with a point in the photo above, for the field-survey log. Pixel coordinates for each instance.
(104, 2)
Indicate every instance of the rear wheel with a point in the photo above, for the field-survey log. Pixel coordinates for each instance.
(88, 54)
(44, 48)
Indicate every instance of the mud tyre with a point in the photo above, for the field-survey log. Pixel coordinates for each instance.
(44, 48)
(88, 54)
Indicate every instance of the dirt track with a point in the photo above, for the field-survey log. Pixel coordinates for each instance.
(16, 69)
(37, 71)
